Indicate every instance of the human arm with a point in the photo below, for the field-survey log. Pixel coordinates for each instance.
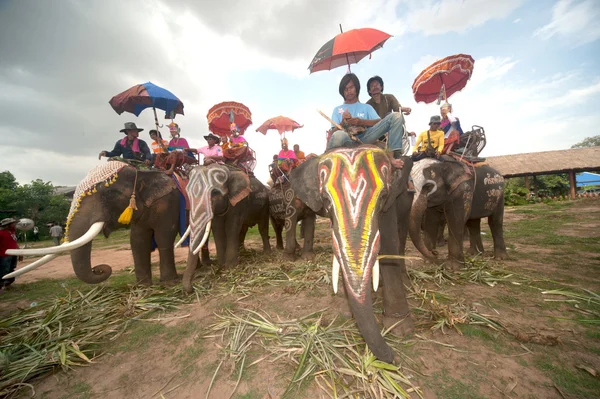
(117, 151)
(418, 143)
(441, 142)
(371, 118)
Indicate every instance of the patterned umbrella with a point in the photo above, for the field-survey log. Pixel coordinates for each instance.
(220, 115)
(443, 78)
(348, 48)
(145, 95)
(281, 123)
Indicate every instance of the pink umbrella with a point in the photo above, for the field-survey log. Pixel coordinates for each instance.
(281, 123)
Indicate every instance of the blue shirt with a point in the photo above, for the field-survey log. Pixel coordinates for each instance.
(357, 110)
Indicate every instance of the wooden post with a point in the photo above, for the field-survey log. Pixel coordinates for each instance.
(572, 183)
(535, 186)
(527, 187)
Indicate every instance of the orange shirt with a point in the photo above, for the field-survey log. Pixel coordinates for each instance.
(156, 148)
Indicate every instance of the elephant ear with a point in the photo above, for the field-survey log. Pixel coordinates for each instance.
(239, 188)
(153, 185)
(305, 183)
(399, 182)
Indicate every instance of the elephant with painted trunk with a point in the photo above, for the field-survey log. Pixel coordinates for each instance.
(366, 200)
(226, 201)
(286, 210)
(98, 202)
(461, 194)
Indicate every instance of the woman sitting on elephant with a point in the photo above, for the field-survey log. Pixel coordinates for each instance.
(238, 153)
(451, 127)
(286, 160)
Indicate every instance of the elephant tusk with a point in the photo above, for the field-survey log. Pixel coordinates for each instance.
(335, 274)
(434, 187)
(32, 266)
(376, 275)
(185, 235)
(68, 246)
(204, 238)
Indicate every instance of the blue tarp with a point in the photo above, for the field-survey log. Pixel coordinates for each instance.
(587, 179)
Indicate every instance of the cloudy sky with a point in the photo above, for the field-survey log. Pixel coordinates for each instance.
(536, 84)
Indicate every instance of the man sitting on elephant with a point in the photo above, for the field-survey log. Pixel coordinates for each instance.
(130, 147)
(213, 153)
(362, 122)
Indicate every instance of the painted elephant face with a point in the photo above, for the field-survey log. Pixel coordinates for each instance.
(355, 183)
(204, 181)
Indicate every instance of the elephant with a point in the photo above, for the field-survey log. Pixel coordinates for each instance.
(463, 195)
(286, 210)
(366, 199)
(98, 201)
(226, 201)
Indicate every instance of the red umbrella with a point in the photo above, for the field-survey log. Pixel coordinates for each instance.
(281, 123)
(348, 48)
(443, 78)
(220, 115)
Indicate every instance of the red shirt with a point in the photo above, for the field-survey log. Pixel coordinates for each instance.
(8, 240)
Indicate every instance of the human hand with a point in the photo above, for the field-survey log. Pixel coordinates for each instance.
(412, 134)
(346, 114)
(102, 154)
(406, 110)
(208, 161)
(354, 121)
(397, 163)
(147, 162)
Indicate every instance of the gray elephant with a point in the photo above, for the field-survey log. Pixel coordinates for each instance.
(286, 210)
(462, 195)
(99, 201)
(368, 204)
(226, 201)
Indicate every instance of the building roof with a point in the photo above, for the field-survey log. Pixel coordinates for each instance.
(547, 162)
(68, 190)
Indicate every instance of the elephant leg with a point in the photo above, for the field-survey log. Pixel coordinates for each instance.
(290, 237)
(456, 227)
(220, 234)
(403, 213)
(433, 219)
(278, 227)
(496, 221)
(204, 254)
(141, 244)
(263, 229)
(301, 229)
(243, 233)
(440, 236)
(308, 225)
(475, 244)
(233, 229)
(168, 272)
(395, 304)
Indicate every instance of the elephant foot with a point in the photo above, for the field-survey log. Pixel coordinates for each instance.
(404, 324)
(291, 256)
(500, 255)
(435, 252)
(441, 243)
(453, 265)
(280, 247)
(171, 282)
(308, 255)
(267, 250)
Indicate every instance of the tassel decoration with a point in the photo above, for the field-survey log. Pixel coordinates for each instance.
(125, 217)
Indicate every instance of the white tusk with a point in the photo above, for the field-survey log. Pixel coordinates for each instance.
(68, 246)
(204, 238)
(34, 265)
(335, 274)
(434, 186)
(376, 275)
(185, 235)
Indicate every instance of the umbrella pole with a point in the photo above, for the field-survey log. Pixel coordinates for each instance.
(158, 131)
(347, 59)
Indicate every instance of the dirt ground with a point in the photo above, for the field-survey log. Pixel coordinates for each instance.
(548, 348)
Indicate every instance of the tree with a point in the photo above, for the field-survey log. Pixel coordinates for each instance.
(593, 141)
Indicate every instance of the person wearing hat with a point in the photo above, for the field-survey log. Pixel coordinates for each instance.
(8, 240)
(430, 139)
(383, 103)
(130, 147)
(213, 153)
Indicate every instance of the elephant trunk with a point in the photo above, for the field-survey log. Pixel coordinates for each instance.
(81, 257)
(362, 310)
(190, 269)
(417, 212)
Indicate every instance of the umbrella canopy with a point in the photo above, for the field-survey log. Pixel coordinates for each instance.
(219, 117)
(147, 95)
(348, 48)
(281, 123)
(443, 78)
